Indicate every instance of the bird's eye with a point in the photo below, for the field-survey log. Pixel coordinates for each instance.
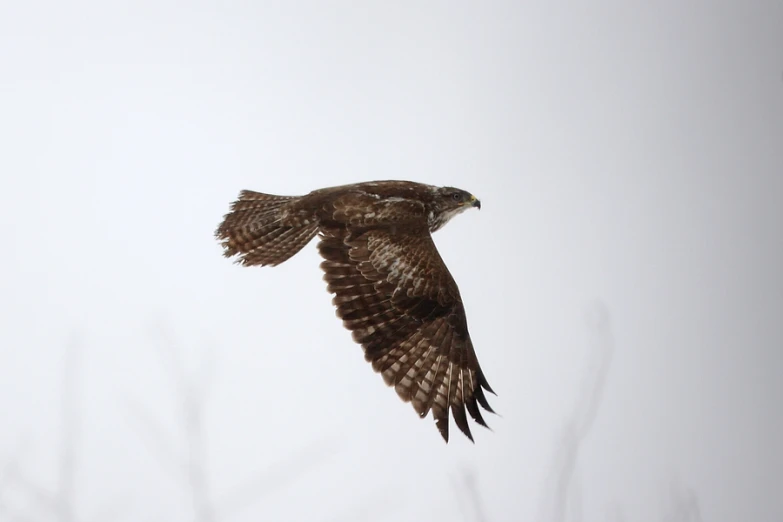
(456, 196)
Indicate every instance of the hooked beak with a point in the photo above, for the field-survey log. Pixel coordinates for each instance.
(475, 202)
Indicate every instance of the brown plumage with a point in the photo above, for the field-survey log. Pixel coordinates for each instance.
(391, 288)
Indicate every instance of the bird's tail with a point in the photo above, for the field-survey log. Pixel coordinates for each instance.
(264, 229)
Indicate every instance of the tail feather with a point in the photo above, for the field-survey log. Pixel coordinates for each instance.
(264, 230)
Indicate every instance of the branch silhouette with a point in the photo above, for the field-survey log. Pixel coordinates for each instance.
(601, 342)
(189, 466)
(683, 505)
(60, 504)
(469, 497)
(565, 497)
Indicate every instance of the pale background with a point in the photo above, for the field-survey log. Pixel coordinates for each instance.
(629, 158)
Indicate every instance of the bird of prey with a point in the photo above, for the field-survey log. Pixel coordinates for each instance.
(391, 288)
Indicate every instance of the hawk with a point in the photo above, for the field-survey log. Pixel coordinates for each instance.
(391, 288)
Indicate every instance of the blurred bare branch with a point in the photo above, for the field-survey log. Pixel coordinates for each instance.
(469, 497)
(367, 510)
(615, 514)
(555, 507)
(10, 484)
(43, 497)
(191, 466)
(275, 477)
(462, 503)
(193, 387)
(190, 391)
(71, 436)
(565, 500)
(575, 505)
(155, 439)
(683, 505)
(113, 510)
(601, 343)
(10, 468)
(59, 504)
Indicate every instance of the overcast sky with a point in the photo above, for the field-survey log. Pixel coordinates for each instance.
(628, 155)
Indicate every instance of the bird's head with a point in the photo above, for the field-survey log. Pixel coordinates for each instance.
(447, 203)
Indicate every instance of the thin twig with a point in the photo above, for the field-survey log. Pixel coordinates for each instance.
(276, 476)
(468, 494)
(581, 421)
(155, 439)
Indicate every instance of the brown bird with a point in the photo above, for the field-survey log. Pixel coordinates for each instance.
(391, 288)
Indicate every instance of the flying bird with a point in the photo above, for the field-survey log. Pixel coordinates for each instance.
(391, 288)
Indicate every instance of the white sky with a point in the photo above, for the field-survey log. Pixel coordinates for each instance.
(625, 152)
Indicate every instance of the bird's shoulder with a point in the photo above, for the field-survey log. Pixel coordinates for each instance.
(373, 204)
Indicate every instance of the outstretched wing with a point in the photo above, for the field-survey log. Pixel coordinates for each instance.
(394, 292)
